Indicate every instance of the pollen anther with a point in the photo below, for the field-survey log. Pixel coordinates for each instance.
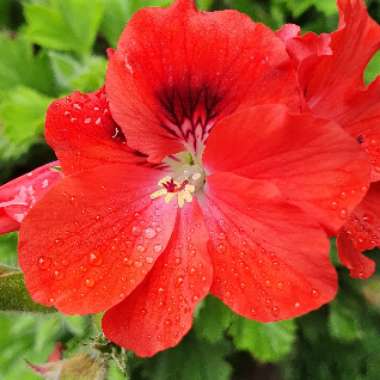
(181, 187)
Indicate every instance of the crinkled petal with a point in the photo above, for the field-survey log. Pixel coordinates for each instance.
(18, 196)
(309, 46)
(328, 83)
(83, 134)
(271, 261)
(176, 71)
(7, 224)
(360, 234)
(92, 239)
(316, 165)
(361, 118)
(159, 312)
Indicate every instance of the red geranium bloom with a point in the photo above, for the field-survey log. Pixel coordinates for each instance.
(331, 77)
(20, 195)
(218, 190)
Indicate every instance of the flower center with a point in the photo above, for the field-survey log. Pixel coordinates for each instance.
(187, 179)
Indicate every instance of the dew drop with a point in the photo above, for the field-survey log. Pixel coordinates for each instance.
(343, 213)
(87, 120)
(315, 293)
(297, 305)
(334, 205)
(161, 290)
(94, 259)
(178, 261)
(136, 230)
(180, 280)
(150, 233)
(195, 298)
(157, 248)
(44, 262)
(58, 275)
(149, 259)
(89, 282)
(220, 248)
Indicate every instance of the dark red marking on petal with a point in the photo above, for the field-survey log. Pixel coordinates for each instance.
(176, 71)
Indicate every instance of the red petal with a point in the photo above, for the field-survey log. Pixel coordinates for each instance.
(361, 233)
(270, 261)
(361, 118)
(17, 197)
(94, 237)
(328, 83)
(7, 224)
(333, 85)
(177, 70)
(306, 47)
(159, 312)
(83, 134)
(314, 163)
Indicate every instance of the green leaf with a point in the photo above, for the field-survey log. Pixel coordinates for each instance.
(344, 320)
(328, 7)
(72, 74)
(267, 342)
(213, 319)
(191, 360)
(8, 249)
(68, 25)
(373, 68)
(118, 12)
(204, 4)
(20, 66)
(22, 117)
(14, 296)
(116, 15)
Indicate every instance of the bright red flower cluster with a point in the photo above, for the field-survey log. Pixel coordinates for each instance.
(216, 159)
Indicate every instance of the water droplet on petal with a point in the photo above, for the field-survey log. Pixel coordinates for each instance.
(89, 282)
(157, 248)
(94, 259)
(343, 213)
(136, 230)
(58, 275)
(150, 233)
(44, 262)
(315, 293)
(149, 259)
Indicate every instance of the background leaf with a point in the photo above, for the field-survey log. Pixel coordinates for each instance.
(267, 342)
(55, 24)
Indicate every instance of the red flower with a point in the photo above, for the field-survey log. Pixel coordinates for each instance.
(224, 192)
(331, 78)
(20, 195)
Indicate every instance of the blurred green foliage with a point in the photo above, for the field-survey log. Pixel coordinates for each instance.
(49, 48)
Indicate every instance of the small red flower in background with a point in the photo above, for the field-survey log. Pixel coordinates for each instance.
(331, 70)
(20, 195)
(219, 186)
